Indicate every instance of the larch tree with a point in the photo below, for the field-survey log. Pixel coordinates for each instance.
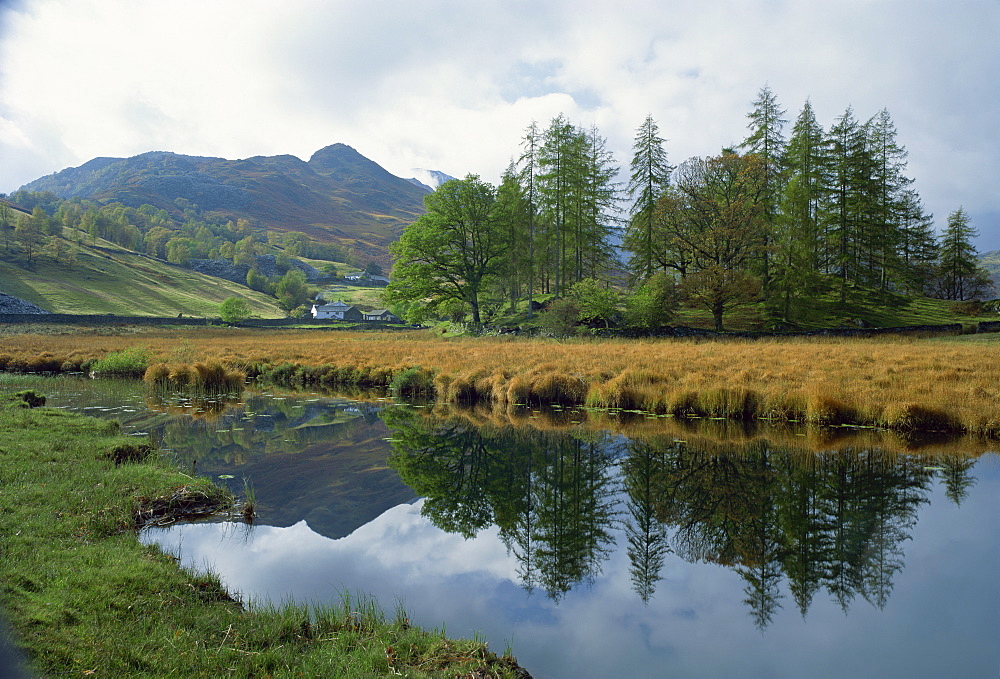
(767, 140)
(797, 241)
(960, 276)
(649, 177)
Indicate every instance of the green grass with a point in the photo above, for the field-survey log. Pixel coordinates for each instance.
(109, 279)
(85, 597)
(354, 294)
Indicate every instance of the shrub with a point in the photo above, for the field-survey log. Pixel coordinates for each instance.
(413, 381)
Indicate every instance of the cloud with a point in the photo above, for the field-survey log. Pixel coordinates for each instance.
(449, 85)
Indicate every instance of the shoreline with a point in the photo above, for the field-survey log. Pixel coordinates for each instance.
(83, 595)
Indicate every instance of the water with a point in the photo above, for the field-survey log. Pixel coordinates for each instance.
(683, 550)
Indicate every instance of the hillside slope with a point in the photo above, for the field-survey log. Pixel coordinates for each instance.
(337, 195)
(107, 279)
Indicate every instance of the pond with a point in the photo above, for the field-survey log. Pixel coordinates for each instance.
(650, 547)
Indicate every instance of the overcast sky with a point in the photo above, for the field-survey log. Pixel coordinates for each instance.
(451, 84)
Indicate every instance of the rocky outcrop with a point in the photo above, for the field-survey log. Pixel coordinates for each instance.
(16, 305)
(266, 265)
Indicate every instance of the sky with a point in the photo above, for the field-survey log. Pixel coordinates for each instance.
(451, 85)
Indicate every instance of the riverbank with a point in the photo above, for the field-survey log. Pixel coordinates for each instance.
(903, 384)
(85, 597)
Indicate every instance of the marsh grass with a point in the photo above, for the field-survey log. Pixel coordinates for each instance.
(85, 597)
(901, 383)
(127, 362)
(202, 378)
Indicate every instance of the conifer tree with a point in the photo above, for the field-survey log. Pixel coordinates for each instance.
(960, 276)
(797, 235)
(767, 140)
(649, 178)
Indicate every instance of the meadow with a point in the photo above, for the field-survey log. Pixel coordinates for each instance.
(905, 384)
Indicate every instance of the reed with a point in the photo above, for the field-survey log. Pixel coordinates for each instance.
(901, 383)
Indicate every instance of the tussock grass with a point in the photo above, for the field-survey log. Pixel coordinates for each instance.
(84, 597)
(901, 383)
(205, 378)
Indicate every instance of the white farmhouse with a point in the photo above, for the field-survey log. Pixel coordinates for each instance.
(332, 310)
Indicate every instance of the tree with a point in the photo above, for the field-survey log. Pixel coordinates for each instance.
(650, 176)
(720, 290)
(652, 304)
(292, 290)
(6, 223)
(595, 300)
(767, 141)
(797, 240)
(959, 274)
(28, 234)
(717, 213)
(453, 251)
(234, 310)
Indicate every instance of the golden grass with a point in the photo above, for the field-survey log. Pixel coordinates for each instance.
(899, 383)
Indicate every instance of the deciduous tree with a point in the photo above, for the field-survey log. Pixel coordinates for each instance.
(454, 250)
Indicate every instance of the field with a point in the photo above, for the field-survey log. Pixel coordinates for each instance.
(108, 279)
(906, 384)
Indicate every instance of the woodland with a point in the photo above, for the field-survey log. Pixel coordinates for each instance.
(786, 218)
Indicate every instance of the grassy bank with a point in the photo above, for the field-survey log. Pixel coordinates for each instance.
(86, 598)
(904, 384)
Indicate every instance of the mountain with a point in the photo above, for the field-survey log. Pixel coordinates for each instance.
(430, 179)
(337, 195)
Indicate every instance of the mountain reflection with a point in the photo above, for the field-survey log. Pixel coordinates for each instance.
(783, 519)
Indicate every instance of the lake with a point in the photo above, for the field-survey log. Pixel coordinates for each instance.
(651, 547)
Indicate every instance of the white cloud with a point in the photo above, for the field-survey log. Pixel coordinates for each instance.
(451, 86)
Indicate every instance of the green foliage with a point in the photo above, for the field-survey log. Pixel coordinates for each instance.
(453, 251)
(595, 300)
(561, 317)
(131, 362)
(413, 381)
(292, 290)
(653, 304)
(234, 310)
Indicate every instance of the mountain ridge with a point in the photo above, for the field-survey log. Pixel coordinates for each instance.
(337, 195)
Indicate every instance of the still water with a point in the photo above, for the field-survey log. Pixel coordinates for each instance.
(667, 549)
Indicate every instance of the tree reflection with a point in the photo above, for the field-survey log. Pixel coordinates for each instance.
(833, 520)
(790, 523)
(551, 495)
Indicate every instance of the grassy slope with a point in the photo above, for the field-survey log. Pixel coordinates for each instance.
(108, 279)
(86, 598)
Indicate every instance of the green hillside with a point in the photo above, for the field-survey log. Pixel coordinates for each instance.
(108, 279)
(338, 195)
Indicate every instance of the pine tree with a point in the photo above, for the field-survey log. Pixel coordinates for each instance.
(888, 182)
(530, 145)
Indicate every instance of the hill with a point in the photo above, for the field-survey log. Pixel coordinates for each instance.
(337, 195)
(108, 279)
(991, 262)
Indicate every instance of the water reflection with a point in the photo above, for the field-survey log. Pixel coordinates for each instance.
(602, 544)
(830, 520)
